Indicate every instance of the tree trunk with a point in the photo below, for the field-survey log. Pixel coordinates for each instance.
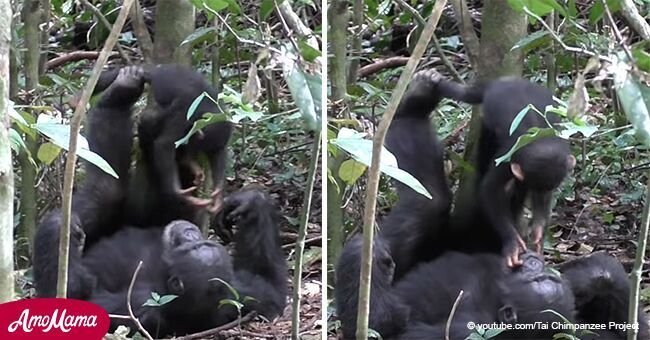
(6, 174)
(32, 16)
(174, 22)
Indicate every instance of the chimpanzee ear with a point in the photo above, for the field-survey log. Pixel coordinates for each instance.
(175, 285)
(571, 161)
(507, 314)
(517, 171)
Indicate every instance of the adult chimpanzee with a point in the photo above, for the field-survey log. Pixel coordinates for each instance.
(179, 261)
(419, 305)
(174, 89)
(534, 171)
(105, 250)
(415, 227)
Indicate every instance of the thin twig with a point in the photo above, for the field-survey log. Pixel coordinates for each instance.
(565, 46)
(436, 43)
(240, 39)
(617, 33)
(98, 14)
(141, 33)
(451, 314)
(128, 303)
(215, 331)
(75, 126)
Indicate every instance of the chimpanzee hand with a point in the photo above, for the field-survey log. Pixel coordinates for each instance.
(244, 205)
(512, 249)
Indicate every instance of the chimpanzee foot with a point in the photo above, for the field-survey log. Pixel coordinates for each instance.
(426, 80)
(130, 77)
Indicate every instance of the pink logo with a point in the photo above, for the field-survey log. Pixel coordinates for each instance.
(46, 319)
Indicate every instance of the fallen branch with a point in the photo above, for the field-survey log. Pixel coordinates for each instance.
(214, 331)
(76, 56)
(377, 66)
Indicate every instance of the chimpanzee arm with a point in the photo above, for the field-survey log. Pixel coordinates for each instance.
(495, 193)
(388, 314)
(260, 267)
(601, 288)
(96, 206)
(541, 201)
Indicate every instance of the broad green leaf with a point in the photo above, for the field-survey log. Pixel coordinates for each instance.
(266, 8)
(13, 114)
(194, 105)
(59, 134)
(598, 10)
(155, 296)
(305, 91)
(307, 51)
(239, 114)
(200, 35)
(47, 153)
(208, 119)
(635, 99)
(361, 150)
(641, 54)
(571, 127)
(216, 5)
(351, 170)
(532, 41)
(17, 142)
(519, 117)
(165, 299)
(532, 135)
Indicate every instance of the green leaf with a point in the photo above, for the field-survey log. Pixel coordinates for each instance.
(307, 51)
(155, 296)
(165, 299)
(351, 170)
(641, 55)
(598, 11)
(233, 303)
(59, 134)
(208, 119)
(240, 114)
(532, 135)
(361, 150)
(216, 5)
(266, 8)
(635, 100)
(518, 118)
(232, 289)
(200, 35)
(195, 104)
(532, 41)
(571, 128)
(17, 142)
(306, 92)
(47, 153)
